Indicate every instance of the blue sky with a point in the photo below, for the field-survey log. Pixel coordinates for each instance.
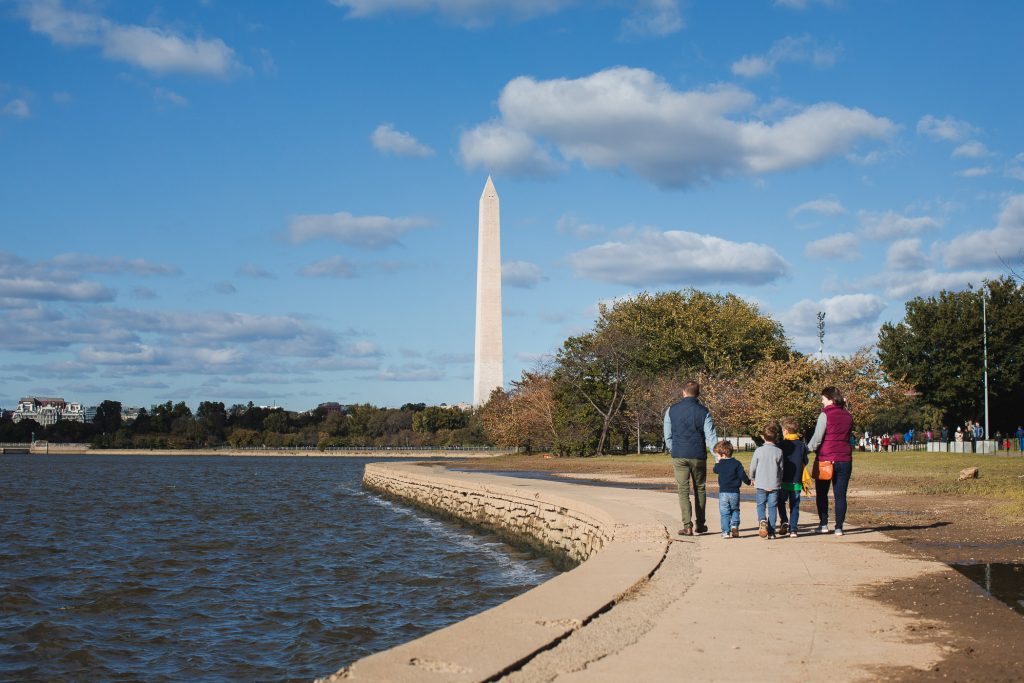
(277, 202)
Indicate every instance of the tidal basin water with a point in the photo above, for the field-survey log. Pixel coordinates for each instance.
(224, 569)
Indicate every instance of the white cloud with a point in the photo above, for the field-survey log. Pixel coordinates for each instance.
(18, 108)
(386, 139)
(851, 321)
(372, 232)
(678, 258)
(61, 278)
(362, 349)
(333, 266)
(1003, 243)
(521, 274)
(870, 159)
(648, 17)
(892, 225)
(130, 342)
(947, 129)
(804, 4)
(908, 284)
(345, 363)
(791, 49)
(471, 13)
(62, 97)
(906, 254)
(169, 96)
(153, 49)
(48, 290)
(126, 354)
(495, 147)
(625, 117)
(975, 172)
(825, 207)
(844, 245)
(77, 264)
(570, 225)
(225, 288)
(972, 150)
(409, 373)
(843, 310)
(654, 18)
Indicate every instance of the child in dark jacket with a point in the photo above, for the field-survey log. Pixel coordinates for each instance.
(731, 476)
(794, 459)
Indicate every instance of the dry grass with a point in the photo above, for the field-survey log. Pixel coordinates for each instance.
(1001, 478)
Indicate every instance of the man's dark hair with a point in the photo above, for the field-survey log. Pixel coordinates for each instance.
(691, 388)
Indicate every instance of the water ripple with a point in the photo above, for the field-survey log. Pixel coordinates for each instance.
(224, 569)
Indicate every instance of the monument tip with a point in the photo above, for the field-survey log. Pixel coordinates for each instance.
(489, 188)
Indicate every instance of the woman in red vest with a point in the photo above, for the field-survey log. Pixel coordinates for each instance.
(831, 440)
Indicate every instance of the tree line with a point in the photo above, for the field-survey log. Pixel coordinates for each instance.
(606, 390)
(212, 425)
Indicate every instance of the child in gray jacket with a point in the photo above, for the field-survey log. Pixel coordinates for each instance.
(766, 471)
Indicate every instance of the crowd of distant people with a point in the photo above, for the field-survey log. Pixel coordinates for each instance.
(970, 432)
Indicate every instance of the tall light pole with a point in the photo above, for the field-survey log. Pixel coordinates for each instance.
(984, 335)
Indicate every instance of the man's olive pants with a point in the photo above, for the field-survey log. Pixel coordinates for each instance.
(697, 470)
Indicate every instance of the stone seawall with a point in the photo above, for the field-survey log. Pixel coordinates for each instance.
(617, 547)
(567, 530)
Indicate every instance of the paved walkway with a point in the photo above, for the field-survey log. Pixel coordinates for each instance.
(713, 609)
(747, 609)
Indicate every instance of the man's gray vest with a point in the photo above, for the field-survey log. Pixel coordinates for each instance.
(687, 420)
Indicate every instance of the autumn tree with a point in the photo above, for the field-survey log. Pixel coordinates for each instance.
(791, 388)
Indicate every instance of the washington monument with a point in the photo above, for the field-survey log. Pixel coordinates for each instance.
(487, 367)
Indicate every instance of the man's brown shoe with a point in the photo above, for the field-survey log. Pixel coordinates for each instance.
(686, 531)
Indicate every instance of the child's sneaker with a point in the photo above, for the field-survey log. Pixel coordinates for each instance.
(734, 532)
(792, 534)
(762, 529)
(726, 535)
(823, 529)
(783, 528)
(839, 532)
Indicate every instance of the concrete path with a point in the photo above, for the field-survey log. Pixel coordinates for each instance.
(659, 607)
(748, 609)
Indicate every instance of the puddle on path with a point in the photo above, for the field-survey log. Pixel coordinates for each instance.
(1001, 580)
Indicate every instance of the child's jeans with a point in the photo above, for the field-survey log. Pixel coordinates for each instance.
(729, 508)
(793, 498)
(769, 499)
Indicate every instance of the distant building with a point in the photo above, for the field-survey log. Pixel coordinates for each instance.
(464, 407)
(90, 414)
(48, 411)
(332, 407)
(130, 413)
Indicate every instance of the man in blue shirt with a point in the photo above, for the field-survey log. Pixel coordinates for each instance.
(689, 435)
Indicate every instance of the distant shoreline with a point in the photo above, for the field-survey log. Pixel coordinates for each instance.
(271, 452)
